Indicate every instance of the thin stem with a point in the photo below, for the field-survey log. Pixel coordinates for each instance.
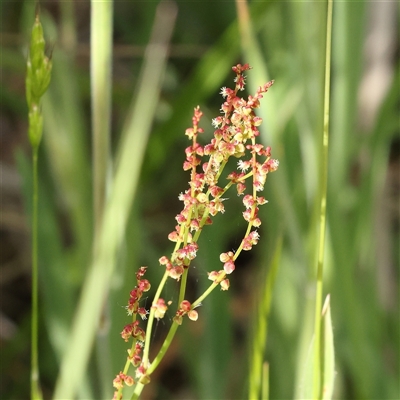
(151, 319)
(164, 347)
(206, 293)
(100, 73)
(158, 359)
(317, 387)
(101, 81)
(35, 387)
(182, 289)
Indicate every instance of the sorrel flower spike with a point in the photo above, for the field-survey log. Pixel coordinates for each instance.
(235, 135)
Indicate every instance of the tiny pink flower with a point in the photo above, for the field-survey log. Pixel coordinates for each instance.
(144, 285)
(216, 191)
(118, 382)
(164, 260)
(173, 236)
(273, 165)
(193, 315)
(261, 200)
(160, 308)
(248, 201)
(224, 257)
(225, 284)
(213, 275)
(141, 371)
(176, 272)
(129, 380)
(142, 312)
(229, 267)
(185, 305)
(257, 121)
(240, 188)
(140, 272)
(227, 259)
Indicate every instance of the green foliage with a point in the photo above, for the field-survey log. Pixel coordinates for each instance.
(209, 358)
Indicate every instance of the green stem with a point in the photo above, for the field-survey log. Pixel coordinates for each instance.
(35, 387)
(158, 359)
(317, 387)
(164, 347)
(205, 294)
(149, 328)
(101, 26)
(100, 73)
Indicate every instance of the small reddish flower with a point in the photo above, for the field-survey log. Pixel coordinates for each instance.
(216, 276)
(227, 259)
(185, 305)
(240, 187)
(118, 382)
(142, 312)
(129, 380)
(176, 272)
(164, 261)
(229, 267)
(144, 285)
(273, 165)
(250, 240)
(225, 284)
(134, 356)
(141, 374)
(173, 236)
(216, 191)
(133, 330)
(248, 201)
(213, 276)
(193, 315)
(141, 272)
(160, 308)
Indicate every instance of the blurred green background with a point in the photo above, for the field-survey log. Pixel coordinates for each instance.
(209, 359)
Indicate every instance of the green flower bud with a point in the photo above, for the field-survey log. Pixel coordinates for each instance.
(38, 76)
(36, 52)
(38, 67)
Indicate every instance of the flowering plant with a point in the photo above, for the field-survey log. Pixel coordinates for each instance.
(236, 131)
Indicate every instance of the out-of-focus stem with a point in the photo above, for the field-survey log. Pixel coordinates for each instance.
(317, 378)
(35, 386)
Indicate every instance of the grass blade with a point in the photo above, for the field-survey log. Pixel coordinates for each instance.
(327, 352)
(322, 212)
(257, 381)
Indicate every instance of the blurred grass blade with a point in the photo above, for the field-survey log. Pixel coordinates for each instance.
(271, 128)
(327, 360)
(327, 351)
(110, 237)
(101, 23)
(265, 382)
(101, 83)
(38, 77)
(209, 74)
(253, 55)
(259, 341)
(305, 390)
(317, 377)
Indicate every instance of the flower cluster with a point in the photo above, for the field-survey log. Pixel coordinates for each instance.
(143, 285)
(185, 308)
(235, 135)
(120, 379)
(236, 130)
(133, 330)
